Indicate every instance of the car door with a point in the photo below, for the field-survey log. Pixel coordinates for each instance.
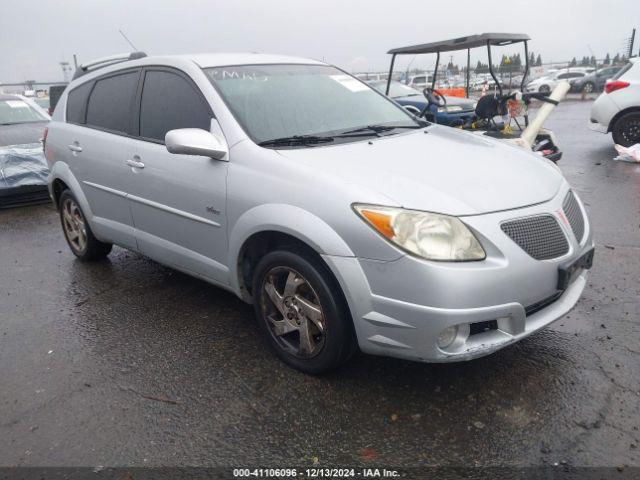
(178, 202)
(99, 118)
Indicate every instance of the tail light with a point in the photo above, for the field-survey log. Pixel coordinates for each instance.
(44, 136)
(613, 85)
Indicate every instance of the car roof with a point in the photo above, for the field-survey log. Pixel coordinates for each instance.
(462, 43)
(206, 60)
(202, 60)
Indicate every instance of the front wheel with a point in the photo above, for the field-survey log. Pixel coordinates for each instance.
(544, 89)
(626, 130)
(77, 231)
(302, 312)
(589, 87)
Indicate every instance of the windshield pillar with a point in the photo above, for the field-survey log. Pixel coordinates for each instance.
(393, 60)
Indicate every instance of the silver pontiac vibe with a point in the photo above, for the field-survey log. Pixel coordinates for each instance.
(346, 221)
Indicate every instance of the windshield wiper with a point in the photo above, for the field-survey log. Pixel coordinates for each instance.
(295, 140)
(376, 129)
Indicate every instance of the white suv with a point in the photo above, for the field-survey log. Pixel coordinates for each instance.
(617, 109)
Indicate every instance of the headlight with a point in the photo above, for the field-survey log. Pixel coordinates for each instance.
(427, 235)
(450, 108)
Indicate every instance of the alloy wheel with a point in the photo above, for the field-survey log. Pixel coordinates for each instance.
(631, 131)
(293, 312)
(74, 225)
(588, 87)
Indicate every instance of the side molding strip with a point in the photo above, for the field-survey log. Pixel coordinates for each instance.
(150, 203)
(106, 189)
(175, 211)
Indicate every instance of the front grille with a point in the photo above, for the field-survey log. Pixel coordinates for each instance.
(540, 236)
(574, 215)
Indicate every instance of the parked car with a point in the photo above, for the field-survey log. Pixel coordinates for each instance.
(456, 112)
(548, 83)
(593, 82)
(617, 109)
(419, 81)
(343, 219)
(23, 169)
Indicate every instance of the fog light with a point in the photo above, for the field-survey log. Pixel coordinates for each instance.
(447, 336)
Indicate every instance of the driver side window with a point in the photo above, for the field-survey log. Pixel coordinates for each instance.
(168, 102)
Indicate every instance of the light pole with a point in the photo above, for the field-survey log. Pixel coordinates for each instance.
(66, 69)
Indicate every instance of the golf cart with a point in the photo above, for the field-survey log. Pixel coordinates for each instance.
(499, 114)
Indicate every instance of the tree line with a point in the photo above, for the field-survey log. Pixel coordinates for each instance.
(513, 63)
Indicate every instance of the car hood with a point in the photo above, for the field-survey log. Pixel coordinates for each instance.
(539, 80)
(21, 133)
(443, 170)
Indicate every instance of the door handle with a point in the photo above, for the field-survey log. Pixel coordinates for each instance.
(134, 163)
(75, 147)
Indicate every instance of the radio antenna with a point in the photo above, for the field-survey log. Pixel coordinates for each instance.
(127, 40)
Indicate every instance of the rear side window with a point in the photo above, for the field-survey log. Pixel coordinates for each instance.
(76, 102)
(624, 70)
(168, 102)
(109, 104)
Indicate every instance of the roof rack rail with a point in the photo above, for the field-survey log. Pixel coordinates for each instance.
(105, 62)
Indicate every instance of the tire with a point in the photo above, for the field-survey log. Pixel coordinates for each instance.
(544, 89)
(589, 87)
(297, 298)
(77, 231)
(626, 130)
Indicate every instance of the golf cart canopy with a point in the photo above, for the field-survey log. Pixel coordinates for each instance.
(465, 43)
(462, 43)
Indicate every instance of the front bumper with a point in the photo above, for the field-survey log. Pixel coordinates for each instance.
(23, 195)
(401, 307)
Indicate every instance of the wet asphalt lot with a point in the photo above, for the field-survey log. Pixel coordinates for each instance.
(126, 362)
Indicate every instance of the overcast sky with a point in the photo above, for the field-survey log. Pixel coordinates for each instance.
(352, 34)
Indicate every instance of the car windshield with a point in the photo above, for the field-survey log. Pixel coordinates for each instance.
(294, 101)
(396, 89)
(16, 110)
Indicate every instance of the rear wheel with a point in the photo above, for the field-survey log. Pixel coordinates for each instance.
(77, 231)
(626, 130)
(302, 312)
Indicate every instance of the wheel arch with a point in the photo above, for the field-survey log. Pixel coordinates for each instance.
(620, 114)
(61, 178)
(266, 227)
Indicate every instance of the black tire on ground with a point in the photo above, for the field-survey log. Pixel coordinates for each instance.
(335, 343)
(77, 231)
(544, 89)
(626, 130)
(589, 87)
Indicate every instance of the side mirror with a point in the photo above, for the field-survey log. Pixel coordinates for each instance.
(195, 141)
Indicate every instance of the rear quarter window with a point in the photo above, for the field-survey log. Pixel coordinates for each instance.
(76, 103)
